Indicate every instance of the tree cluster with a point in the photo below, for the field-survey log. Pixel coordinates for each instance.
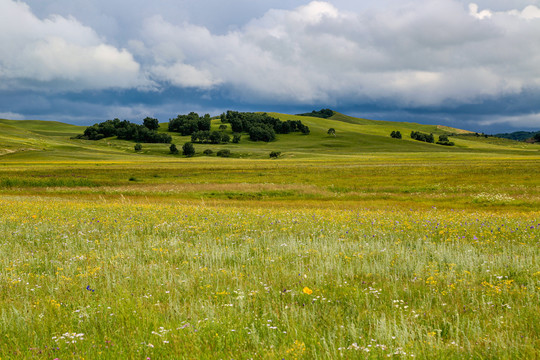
(261, 127)
(126, 130)
(188, 124)
(213, 137)
(396, 134)
(443, 140)
(323, 113)
(416, 135)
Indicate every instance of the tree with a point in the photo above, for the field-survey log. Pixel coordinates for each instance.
(151, 123)
(215, 137)
(188, 149)
(275, 154)
(396, 135)
(138, 147)
(173, 149)
(236, 138)
(225, 138)
(222, 127)
(537, 137)
(443, 138)
(331, 131)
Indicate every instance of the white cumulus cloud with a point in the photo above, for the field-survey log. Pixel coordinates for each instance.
(420, 53)
(59, 50)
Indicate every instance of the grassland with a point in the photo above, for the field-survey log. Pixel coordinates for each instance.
(354, 246)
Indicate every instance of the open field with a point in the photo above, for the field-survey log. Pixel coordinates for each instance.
(160, 279)
(358, 246)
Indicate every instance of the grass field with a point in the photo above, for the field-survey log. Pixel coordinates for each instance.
(358, 246)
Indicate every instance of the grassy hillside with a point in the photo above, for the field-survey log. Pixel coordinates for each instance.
(45, 141)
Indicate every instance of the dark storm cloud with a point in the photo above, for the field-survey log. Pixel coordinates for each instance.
(464, 64)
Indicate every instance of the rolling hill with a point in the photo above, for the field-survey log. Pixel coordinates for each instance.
(34, 140)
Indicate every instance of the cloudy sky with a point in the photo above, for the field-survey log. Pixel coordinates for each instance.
(453, 62)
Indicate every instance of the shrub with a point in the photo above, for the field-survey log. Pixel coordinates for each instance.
(236, 138)
(275, 154)
(138, 147)
(225, 138)
(331, 131)
(224, 153)
(208, 152)
(173, 149)
(222, 127)
(188, 149)
(396, 134)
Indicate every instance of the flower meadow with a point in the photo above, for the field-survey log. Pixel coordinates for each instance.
(140, 279)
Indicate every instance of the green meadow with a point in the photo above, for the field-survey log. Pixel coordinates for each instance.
(350, 246)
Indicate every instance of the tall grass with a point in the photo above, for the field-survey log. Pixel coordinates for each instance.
(163, 280)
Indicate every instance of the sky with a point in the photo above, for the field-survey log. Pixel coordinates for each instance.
(471, 65)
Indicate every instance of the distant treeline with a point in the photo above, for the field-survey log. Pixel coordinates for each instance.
(520, 135)
(417, 135)
(126, 130)
(188, 124)
(261, 126)
(323, 113)
(429, 138)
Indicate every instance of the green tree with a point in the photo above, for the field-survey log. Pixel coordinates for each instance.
(215, 137)
(173, 149)
(236, 138)
(138, 147)
(331, 131)
(151, 123)
(188, 149)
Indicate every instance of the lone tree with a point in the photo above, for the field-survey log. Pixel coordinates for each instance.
(396, 134)
(138, 147)
(331, 131)
(173, 149)
(188, 149)
(151, 123)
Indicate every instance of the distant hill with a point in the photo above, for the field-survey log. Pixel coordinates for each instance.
(44, 141)
(518, 135)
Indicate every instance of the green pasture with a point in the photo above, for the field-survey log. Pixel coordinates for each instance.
(353, 246)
